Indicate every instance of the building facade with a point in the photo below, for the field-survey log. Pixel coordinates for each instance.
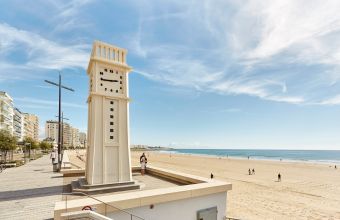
(75, 137)
(51, 131)
(70, 136)
(82, 139)
(18, 124)
(6, 112)
(31, 126)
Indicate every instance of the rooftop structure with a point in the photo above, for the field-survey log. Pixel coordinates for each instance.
(164, 194)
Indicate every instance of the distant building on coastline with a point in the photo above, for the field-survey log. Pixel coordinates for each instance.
(31, 126)
(71, 137)
(82, 138)
(75, 137)
(6, 112)
(15, 121)
(51, 131)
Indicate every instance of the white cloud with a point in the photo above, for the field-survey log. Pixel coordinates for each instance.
(40, 52)
(69, 15)
(284, 51)
(331, 101)
(32, 102)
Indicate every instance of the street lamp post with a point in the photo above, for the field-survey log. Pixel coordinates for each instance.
(62, 133)
(60, 86)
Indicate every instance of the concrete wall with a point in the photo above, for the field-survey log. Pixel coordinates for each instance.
(185, 209)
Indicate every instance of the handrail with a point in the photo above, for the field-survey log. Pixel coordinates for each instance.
(84, 194)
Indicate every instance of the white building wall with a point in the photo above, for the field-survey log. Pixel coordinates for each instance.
(6, 112)
(185, 209)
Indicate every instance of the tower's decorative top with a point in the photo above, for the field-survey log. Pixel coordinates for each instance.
(108, 53)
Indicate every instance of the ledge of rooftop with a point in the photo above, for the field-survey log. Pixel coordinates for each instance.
(157, 186)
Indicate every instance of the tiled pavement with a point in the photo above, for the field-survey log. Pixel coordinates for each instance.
(30, 191)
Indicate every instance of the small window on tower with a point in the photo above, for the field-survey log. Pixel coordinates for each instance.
(105, 89)
(121, 82)
(111, 102)
(101, 73)
(110, 90)
(111, 137)
(111, 123)
(116, 91)
(111, 116)
(111, 109)
(121, 77)
(111, 130)
(105, 70)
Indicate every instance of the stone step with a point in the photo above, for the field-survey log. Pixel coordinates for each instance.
(83, 184)
(107, 189)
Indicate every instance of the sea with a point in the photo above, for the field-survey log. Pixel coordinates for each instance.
(319, 156)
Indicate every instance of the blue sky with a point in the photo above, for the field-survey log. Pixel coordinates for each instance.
(212, 74)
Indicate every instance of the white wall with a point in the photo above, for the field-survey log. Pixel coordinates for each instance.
(185, 209)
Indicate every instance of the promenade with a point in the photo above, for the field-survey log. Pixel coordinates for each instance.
(30, 191)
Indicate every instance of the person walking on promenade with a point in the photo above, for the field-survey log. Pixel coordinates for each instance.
(253, 171)
(53, 156)
(143, 161)
(249, 172)
(279, 177)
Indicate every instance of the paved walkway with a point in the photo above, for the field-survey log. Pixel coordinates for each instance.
(30, 191)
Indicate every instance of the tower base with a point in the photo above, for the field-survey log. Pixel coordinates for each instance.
(81, 185)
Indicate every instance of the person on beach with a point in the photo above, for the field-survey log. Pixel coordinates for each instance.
(211, 176)
(249, 171)
(253, 171)
(335, 167)
(279, 177)
(143, 161)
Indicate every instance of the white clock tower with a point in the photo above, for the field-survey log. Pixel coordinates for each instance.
(108, 152)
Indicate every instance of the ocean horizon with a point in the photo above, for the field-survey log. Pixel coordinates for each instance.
(319, 156)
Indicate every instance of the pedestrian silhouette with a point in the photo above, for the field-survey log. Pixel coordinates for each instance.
(279, 177)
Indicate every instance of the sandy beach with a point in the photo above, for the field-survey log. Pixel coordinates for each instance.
(307, 190)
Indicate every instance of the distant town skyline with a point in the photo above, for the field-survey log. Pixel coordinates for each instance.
(214, 74)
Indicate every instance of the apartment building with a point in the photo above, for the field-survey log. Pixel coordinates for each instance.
(6, 112)
(51, 131)
(70, 134)
(31, 126)
(82, 139)
(75, 137)
(18, 124)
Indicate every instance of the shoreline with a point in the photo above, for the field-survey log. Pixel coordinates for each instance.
(254, 158)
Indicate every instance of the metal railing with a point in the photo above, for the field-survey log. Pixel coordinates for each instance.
(105, 204)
